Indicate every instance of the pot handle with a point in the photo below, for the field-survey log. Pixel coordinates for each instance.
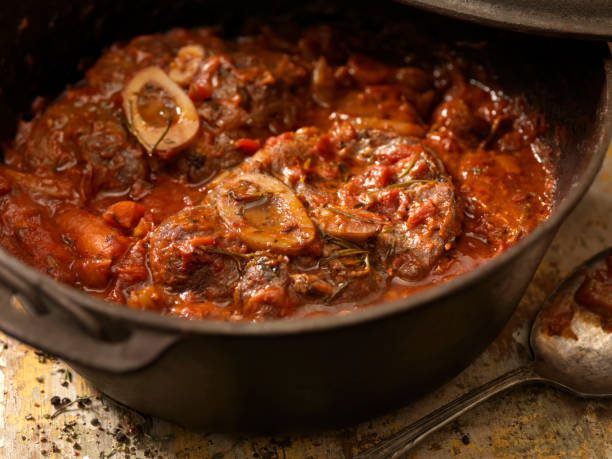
(55, 332)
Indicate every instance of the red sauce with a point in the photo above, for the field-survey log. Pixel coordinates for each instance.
(265, 177)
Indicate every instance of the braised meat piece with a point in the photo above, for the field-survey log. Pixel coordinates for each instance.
(369, 185)
(190, 251)
(83, 137)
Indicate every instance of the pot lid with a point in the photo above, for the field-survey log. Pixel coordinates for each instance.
(572, 18)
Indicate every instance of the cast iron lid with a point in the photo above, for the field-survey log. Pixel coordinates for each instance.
(571, 18)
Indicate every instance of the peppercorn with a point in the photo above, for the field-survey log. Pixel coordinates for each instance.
(55, 400)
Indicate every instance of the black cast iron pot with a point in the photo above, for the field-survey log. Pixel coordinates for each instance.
(298, 372)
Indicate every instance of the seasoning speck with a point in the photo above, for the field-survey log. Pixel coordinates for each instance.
(465, 440)
(55, 400)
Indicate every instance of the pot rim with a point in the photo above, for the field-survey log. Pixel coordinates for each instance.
(385, 310)
(533, 17)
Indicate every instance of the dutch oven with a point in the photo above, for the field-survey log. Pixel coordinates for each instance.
(290, 373)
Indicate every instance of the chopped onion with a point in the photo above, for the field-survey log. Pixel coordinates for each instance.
(186, 63)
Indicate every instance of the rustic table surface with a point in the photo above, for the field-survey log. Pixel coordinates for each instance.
(532, 420)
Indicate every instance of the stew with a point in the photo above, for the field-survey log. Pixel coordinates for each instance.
(272, 175)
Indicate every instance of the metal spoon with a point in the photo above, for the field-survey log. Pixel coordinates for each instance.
(581, 364)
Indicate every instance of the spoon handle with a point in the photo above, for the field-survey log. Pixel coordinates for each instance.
(406, 438)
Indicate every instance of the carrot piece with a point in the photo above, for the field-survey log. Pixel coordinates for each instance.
(124, 214)
(93, 272)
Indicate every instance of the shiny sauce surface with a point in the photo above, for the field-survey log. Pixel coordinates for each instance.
(267, 176)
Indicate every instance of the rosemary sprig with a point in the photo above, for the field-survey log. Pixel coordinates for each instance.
(240, 195)
(229, 253)
(216, 251)
(130, 122)
(132, 129)
(348, 250)
(390, 254)
(350, 215)
(407, 184)
(344, 253)
(338, 290)
(371, 280)
(340, 242)
(163, 135)
(408, 168)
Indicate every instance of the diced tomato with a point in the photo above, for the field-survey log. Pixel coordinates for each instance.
(278, 139)
(376, 176)
(200, 90)
(421, 214)
(248, 146)
(201, 241)
(324, 146)
(393, 152)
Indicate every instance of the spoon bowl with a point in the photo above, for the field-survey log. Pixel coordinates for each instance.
(580, 357)
(572, 348)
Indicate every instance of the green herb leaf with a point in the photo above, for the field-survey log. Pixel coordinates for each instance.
(340, 241)
(350, 215)
(407, 170)
(338, 290)
(344, 253)
(164, 134)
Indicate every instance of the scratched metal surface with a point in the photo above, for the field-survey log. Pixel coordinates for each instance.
(526, 421)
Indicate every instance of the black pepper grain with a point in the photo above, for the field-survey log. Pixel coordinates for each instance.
(66, 401)
(55, 400)
(465, 439)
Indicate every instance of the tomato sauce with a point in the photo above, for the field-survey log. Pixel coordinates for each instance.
(263, 176)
